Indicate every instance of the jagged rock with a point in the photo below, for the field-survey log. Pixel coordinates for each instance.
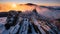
(22, 23)
(11, 19)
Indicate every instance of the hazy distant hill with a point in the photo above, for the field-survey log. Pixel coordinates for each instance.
(52, 7)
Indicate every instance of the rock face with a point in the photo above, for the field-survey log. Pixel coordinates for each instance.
(28, 23)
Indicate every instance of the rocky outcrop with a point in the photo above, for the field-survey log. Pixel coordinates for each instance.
(28, 23)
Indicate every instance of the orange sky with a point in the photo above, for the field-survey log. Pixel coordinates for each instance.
(14, 6)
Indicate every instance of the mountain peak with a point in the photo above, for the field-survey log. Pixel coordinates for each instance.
(31, 4)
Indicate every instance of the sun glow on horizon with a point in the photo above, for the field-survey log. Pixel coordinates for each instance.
(14, 5)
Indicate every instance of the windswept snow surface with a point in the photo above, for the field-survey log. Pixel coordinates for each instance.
(49, 13)
(35, 22)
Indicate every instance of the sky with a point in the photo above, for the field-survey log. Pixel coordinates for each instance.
(49, 2)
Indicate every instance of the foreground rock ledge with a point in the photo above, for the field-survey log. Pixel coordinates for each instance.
(28, 23)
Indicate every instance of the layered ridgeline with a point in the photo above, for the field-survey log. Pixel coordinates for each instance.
(29, 22)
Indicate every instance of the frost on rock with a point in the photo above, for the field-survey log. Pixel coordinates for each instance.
(28, 23)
